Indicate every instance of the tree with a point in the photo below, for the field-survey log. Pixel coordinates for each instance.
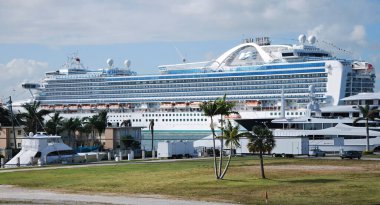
(261, 140)
(231, 135)
(86, 129)
(151, 128)
(97, 122)
(101, 124)
(72, 125)
(53, 126)
(33, 117)
(90, 123)
(367, 115)
(225, 109)
(5, 117)
(210, 109)
(213, 108)
(129, 142)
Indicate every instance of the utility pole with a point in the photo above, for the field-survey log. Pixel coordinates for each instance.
(12, 121)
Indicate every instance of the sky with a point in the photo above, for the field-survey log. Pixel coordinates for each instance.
(37, 36)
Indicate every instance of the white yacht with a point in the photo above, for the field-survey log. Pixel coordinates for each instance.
(252, 74)
(44, 149)
(331, 129)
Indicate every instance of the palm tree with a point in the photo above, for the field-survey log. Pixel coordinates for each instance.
(231, 135)
(151, 128)
(5, 117)
(97, 122)
(261, 140)
(67, 125)
(53, 125)
(90, 123)
(225, 109)
(367, 115)
(212, 108)
(101, 124)
(33, 118)
(86, 129)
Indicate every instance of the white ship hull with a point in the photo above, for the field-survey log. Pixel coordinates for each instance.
(174, 121)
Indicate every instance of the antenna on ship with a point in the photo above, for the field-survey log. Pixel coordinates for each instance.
(180, 54)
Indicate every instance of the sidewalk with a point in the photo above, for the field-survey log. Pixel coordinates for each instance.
(15, 195)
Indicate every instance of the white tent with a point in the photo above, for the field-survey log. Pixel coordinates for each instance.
(339, 129)
(206, 142)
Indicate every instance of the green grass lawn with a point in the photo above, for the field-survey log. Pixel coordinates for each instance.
(290, 181)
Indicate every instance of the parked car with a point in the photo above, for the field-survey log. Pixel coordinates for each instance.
(317, 153)
(351, 154)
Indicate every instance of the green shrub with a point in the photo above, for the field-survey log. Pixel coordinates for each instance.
(367, 152)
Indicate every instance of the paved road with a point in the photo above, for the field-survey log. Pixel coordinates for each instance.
(15, 195)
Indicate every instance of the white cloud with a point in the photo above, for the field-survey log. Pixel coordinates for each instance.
(358, 34)
(104, 22)
(19, 70)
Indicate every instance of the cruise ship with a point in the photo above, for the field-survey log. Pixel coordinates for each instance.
(255, 74)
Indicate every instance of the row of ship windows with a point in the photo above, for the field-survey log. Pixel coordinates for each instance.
(181, 91)
(218, 93)
(169, 115)
(180, 120)
(192, 81)
(357, 74)
(107, 99)
(202, 87)
(210, 75)
(222, 75)
(359, 85)
(359, 89)
(171, 120)
(287, 113)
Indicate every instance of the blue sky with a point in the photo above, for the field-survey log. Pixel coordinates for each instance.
(37, 35)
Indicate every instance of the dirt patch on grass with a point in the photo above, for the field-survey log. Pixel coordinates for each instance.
(315, 168)
(301, 169)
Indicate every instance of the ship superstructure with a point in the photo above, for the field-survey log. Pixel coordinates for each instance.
(253, 74)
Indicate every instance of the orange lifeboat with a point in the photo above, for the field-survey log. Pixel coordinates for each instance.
(73, 107)
(114, 106)
(45, 107)
(195, 104)
(167, 105)
(101, 106)
(86, 107)
(233, 116)
(59, 107)
(253, 103)
(181, 105)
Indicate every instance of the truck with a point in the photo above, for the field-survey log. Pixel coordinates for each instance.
(285, 146)
(289, 147)
(175, 150)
